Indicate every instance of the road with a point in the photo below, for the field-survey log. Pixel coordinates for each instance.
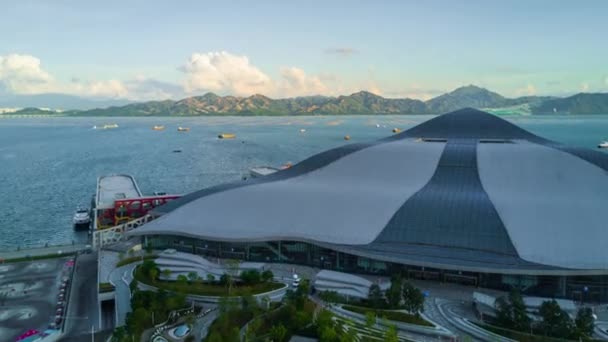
(83, 311)
(201, 326)
(121, 278)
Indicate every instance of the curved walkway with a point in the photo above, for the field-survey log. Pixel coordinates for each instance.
(121, 278)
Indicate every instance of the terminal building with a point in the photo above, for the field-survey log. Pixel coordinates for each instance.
(464, 197)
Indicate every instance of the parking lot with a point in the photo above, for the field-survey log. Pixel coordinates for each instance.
(32, 296)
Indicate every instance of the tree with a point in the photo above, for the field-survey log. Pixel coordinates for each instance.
(233, 270)
(182, 280)
(555, 321)
(215, 337)
(153, 274)
(390, 334)
(394, 293)
(119, 334)
(413, 299)
(370, 319)
(278, 332)
(210, 278)
(146, 266)
(375, 297)
(192, 276)
(584, 323)
(249, 303)
(511, 312)
(250, 277)
(348, 334)
(225, 279)
(252, 329)
(267, 276)
(166, 273)
(133, 286)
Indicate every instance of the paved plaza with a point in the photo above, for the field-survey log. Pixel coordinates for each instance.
(32, 295)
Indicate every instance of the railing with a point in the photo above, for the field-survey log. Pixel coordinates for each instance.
(115, 234)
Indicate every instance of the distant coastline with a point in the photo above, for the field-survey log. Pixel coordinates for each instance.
(360, 103)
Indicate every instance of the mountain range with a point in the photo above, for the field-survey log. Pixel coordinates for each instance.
(358, 103)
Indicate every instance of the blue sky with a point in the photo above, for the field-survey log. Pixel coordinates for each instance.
(149, 49)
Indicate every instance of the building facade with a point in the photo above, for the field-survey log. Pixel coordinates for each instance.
(465, 197)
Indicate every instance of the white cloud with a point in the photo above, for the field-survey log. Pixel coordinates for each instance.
(23, 74)
(225, 73)
(106, 89)
(528, 90)
(295, 82)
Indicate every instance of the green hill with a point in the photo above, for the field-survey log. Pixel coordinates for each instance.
(359, 103)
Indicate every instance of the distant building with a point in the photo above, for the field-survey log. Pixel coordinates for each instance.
(465, 197)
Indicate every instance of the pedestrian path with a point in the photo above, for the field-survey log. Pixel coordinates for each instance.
(40, 251)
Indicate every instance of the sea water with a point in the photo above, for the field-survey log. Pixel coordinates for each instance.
(49, 166)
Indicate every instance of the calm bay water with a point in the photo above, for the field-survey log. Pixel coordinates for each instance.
(49, 166)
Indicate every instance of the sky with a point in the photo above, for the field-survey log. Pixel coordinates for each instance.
(154, 50)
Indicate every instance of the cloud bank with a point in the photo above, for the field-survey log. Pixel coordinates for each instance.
(226, 73)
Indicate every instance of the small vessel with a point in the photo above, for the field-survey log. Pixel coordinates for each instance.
(603, 144)
(177, 151)
(347, 137)
(183, 129)
(81, 218)
(226, 136)
(302, 130)
(109, 126)
(261, 171)
(158, 128)
(396, 130)
(377, 125)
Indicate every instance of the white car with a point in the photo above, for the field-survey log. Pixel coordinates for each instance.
(81, 217)
(296, 281)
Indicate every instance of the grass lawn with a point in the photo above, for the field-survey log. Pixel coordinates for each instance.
(390, 315)
(367, 334)
(133, 259)
(208, 289)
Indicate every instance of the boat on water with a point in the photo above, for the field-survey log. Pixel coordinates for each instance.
(158, 128)
(396, 130)
(302, 130)
(603, 144)
(183, 129)
(81, 219)
(226, 136)
(347, 137)
(107, 126)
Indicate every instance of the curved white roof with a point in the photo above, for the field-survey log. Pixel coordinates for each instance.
(466, 190)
